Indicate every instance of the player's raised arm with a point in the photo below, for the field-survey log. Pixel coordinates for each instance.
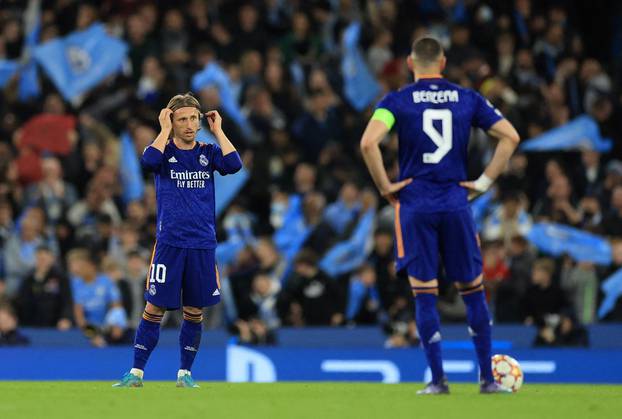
(508, 138)
(229, 161)
(152, 156)
(375, 131)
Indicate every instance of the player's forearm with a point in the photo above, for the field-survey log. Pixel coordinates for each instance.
(373, 160)
(223, 141)
(503, 152)
(160, 142)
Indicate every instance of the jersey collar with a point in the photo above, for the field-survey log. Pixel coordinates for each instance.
(429, 76)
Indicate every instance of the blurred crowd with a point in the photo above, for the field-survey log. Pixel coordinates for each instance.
(306, 242)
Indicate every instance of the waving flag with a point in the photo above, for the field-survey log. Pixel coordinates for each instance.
(612, 287)
(582, 133)
(130, 172)
(214, 75)
(557, 239)
(348, 255)
(29, 81)
(360, 86)
(8, 68)
(82, 60)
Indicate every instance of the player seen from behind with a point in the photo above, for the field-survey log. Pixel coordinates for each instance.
(433, 120)
(183, 269)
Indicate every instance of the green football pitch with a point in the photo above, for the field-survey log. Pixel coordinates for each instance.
(95, 399)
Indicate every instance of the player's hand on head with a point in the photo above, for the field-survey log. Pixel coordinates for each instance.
(214, 120)
(389, 193)
(166, 119)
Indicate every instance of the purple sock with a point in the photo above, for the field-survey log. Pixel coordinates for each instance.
(428, 325)
(189, 341)
(480, 329)
(147, 336)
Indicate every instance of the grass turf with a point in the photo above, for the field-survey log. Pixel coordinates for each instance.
(94, 399)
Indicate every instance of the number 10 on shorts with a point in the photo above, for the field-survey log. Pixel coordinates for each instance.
(157, 273)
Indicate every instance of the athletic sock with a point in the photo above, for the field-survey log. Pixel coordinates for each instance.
(428, 326)
(147, 336)
(479, 321)
(189, 339)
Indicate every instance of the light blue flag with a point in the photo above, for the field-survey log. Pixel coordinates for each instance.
(612, 287)
(130, 172)
(348, 255)
(227, 187)
(558, 239)
(214, 75)
(81, 60)
(582, 133)
(29, 81)
(360, 86)
(8, 68)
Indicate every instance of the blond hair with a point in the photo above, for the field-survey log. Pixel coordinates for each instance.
(186, 100)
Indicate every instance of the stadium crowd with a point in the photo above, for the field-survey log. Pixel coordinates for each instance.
(306, 241)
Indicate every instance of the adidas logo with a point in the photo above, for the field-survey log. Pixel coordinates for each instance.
(190, 348)
(172, 160)
(436, 337)
(216, 293)
(139, 346)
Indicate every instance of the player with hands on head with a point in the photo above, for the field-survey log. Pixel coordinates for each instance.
(433, 120)
(183, 271)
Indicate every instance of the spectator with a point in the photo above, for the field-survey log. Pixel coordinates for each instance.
(580, 283)
(546, 307)
(98, 310)
(612, 222)
(508, 220)
(310, 298)
(510, 292)
(344, 211)
(52, 193)
(83, 214)
(9, 334)
(363, 297)
(44, 298)
(20, 248)
(559, 205)
(257, 314)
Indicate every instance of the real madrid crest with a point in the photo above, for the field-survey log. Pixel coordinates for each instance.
(203, 160)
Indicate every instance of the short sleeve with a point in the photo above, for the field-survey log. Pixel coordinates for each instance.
(386, 110)
(485, 115)
(151, 159)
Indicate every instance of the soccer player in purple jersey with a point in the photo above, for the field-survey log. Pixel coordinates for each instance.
(433, 120)
(183, 269)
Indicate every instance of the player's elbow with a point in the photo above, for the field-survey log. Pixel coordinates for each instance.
(514, 139)
(366, 144)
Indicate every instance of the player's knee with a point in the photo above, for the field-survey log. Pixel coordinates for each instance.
(423, 287)
(158, 311)
(193, 314)
(470, 287)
